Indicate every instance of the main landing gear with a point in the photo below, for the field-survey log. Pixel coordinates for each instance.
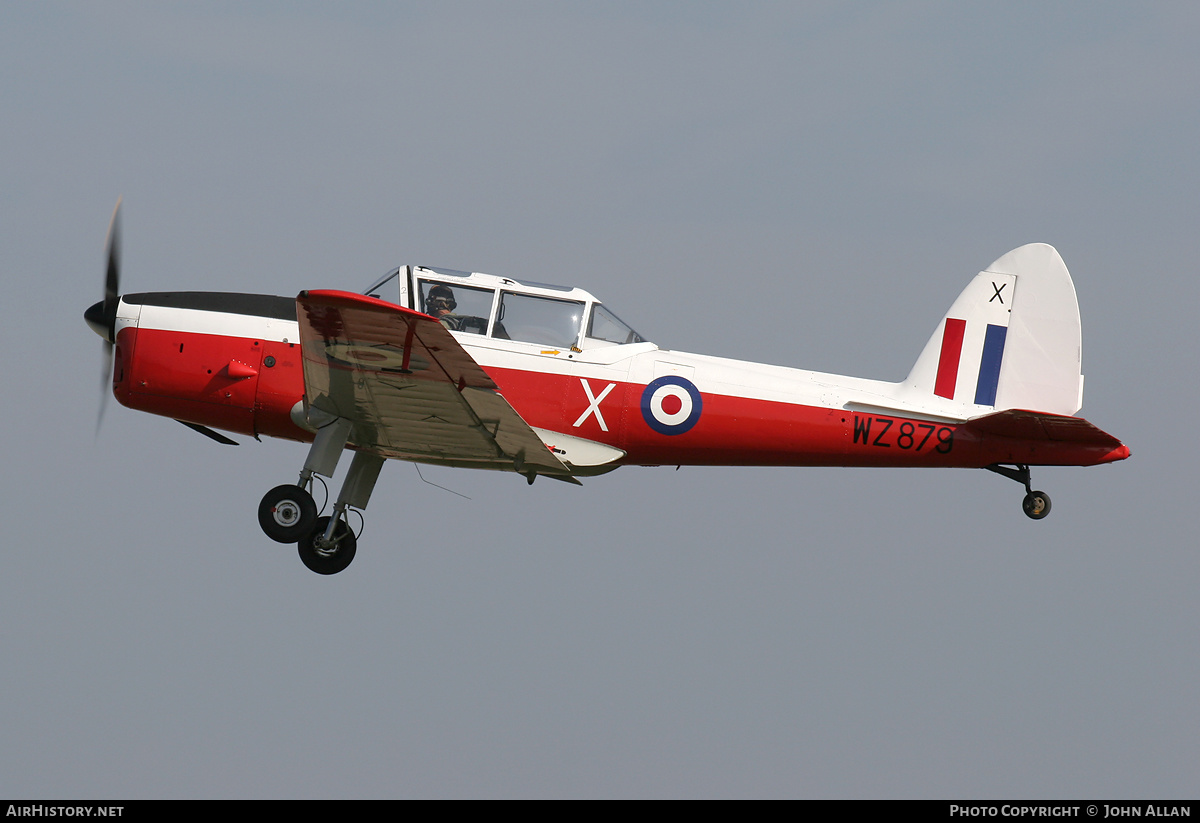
(1036, 504)
(288, 514)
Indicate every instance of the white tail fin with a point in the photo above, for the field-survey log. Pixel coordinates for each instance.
(1010, 341)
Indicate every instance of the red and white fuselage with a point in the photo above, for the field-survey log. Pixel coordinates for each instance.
(235, 362)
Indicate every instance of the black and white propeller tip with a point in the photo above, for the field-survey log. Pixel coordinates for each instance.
(102, 316)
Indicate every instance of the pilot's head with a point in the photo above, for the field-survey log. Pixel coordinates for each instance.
(440, 301)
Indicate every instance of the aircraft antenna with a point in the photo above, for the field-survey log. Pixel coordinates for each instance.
(435, 485)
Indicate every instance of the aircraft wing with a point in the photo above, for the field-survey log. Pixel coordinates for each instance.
(410, 389)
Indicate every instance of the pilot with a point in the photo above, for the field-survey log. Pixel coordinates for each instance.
(440, 303)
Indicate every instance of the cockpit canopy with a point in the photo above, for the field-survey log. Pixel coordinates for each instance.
(505, 309)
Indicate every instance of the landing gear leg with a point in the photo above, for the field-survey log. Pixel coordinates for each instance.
(326, 450)
(288, 514)
(1036, 504)
(330, 547)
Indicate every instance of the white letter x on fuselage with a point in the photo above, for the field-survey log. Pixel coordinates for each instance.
(593, 404)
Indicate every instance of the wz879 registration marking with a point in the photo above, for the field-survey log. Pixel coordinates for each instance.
(884, 432)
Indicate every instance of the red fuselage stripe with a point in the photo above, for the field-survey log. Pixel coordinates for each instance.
(180, 375)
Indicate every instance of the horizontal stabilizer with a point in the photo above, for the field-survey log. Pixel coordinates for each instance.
(1019, 424)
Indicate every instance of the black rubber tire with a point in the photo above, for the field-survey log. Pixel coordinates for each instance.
(287, 513)
(1036, 505)
(328, 562)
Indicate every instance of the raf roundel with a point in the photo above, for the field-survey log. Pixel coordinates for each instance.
(376, 357)
(671, 405)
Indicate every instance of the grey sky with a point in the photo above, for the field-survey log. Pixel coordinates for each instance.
(803, 184)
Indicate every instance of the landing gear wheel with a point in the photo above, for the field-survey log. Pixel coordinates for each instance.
(329, 560)
(287, 513)
(1036, 505)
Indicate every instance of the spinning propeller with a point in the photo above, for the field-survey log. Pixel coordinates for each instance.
(102, 316)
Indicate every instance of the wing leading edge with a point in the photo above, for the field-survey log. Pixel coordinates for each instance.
(411, 391)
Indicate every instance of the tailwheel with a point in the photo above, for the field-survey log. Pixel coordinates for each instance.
(1036, 505)
(328, 556)
(287, 514)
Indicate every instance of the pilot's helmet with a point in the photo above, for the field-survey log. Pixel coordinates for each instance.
(440, 298)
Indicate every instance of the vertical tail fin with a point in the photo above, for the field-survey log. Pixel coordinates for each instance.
(1010, 341)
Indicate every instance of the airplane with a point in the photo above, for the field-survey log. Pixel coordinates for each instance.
(466, 369)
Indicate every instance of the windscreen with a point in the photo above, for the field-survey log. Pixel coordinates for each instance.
(607, 327)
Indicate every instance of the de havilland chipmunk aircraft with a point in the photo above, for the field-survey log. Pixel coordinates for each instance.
(473, 370)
